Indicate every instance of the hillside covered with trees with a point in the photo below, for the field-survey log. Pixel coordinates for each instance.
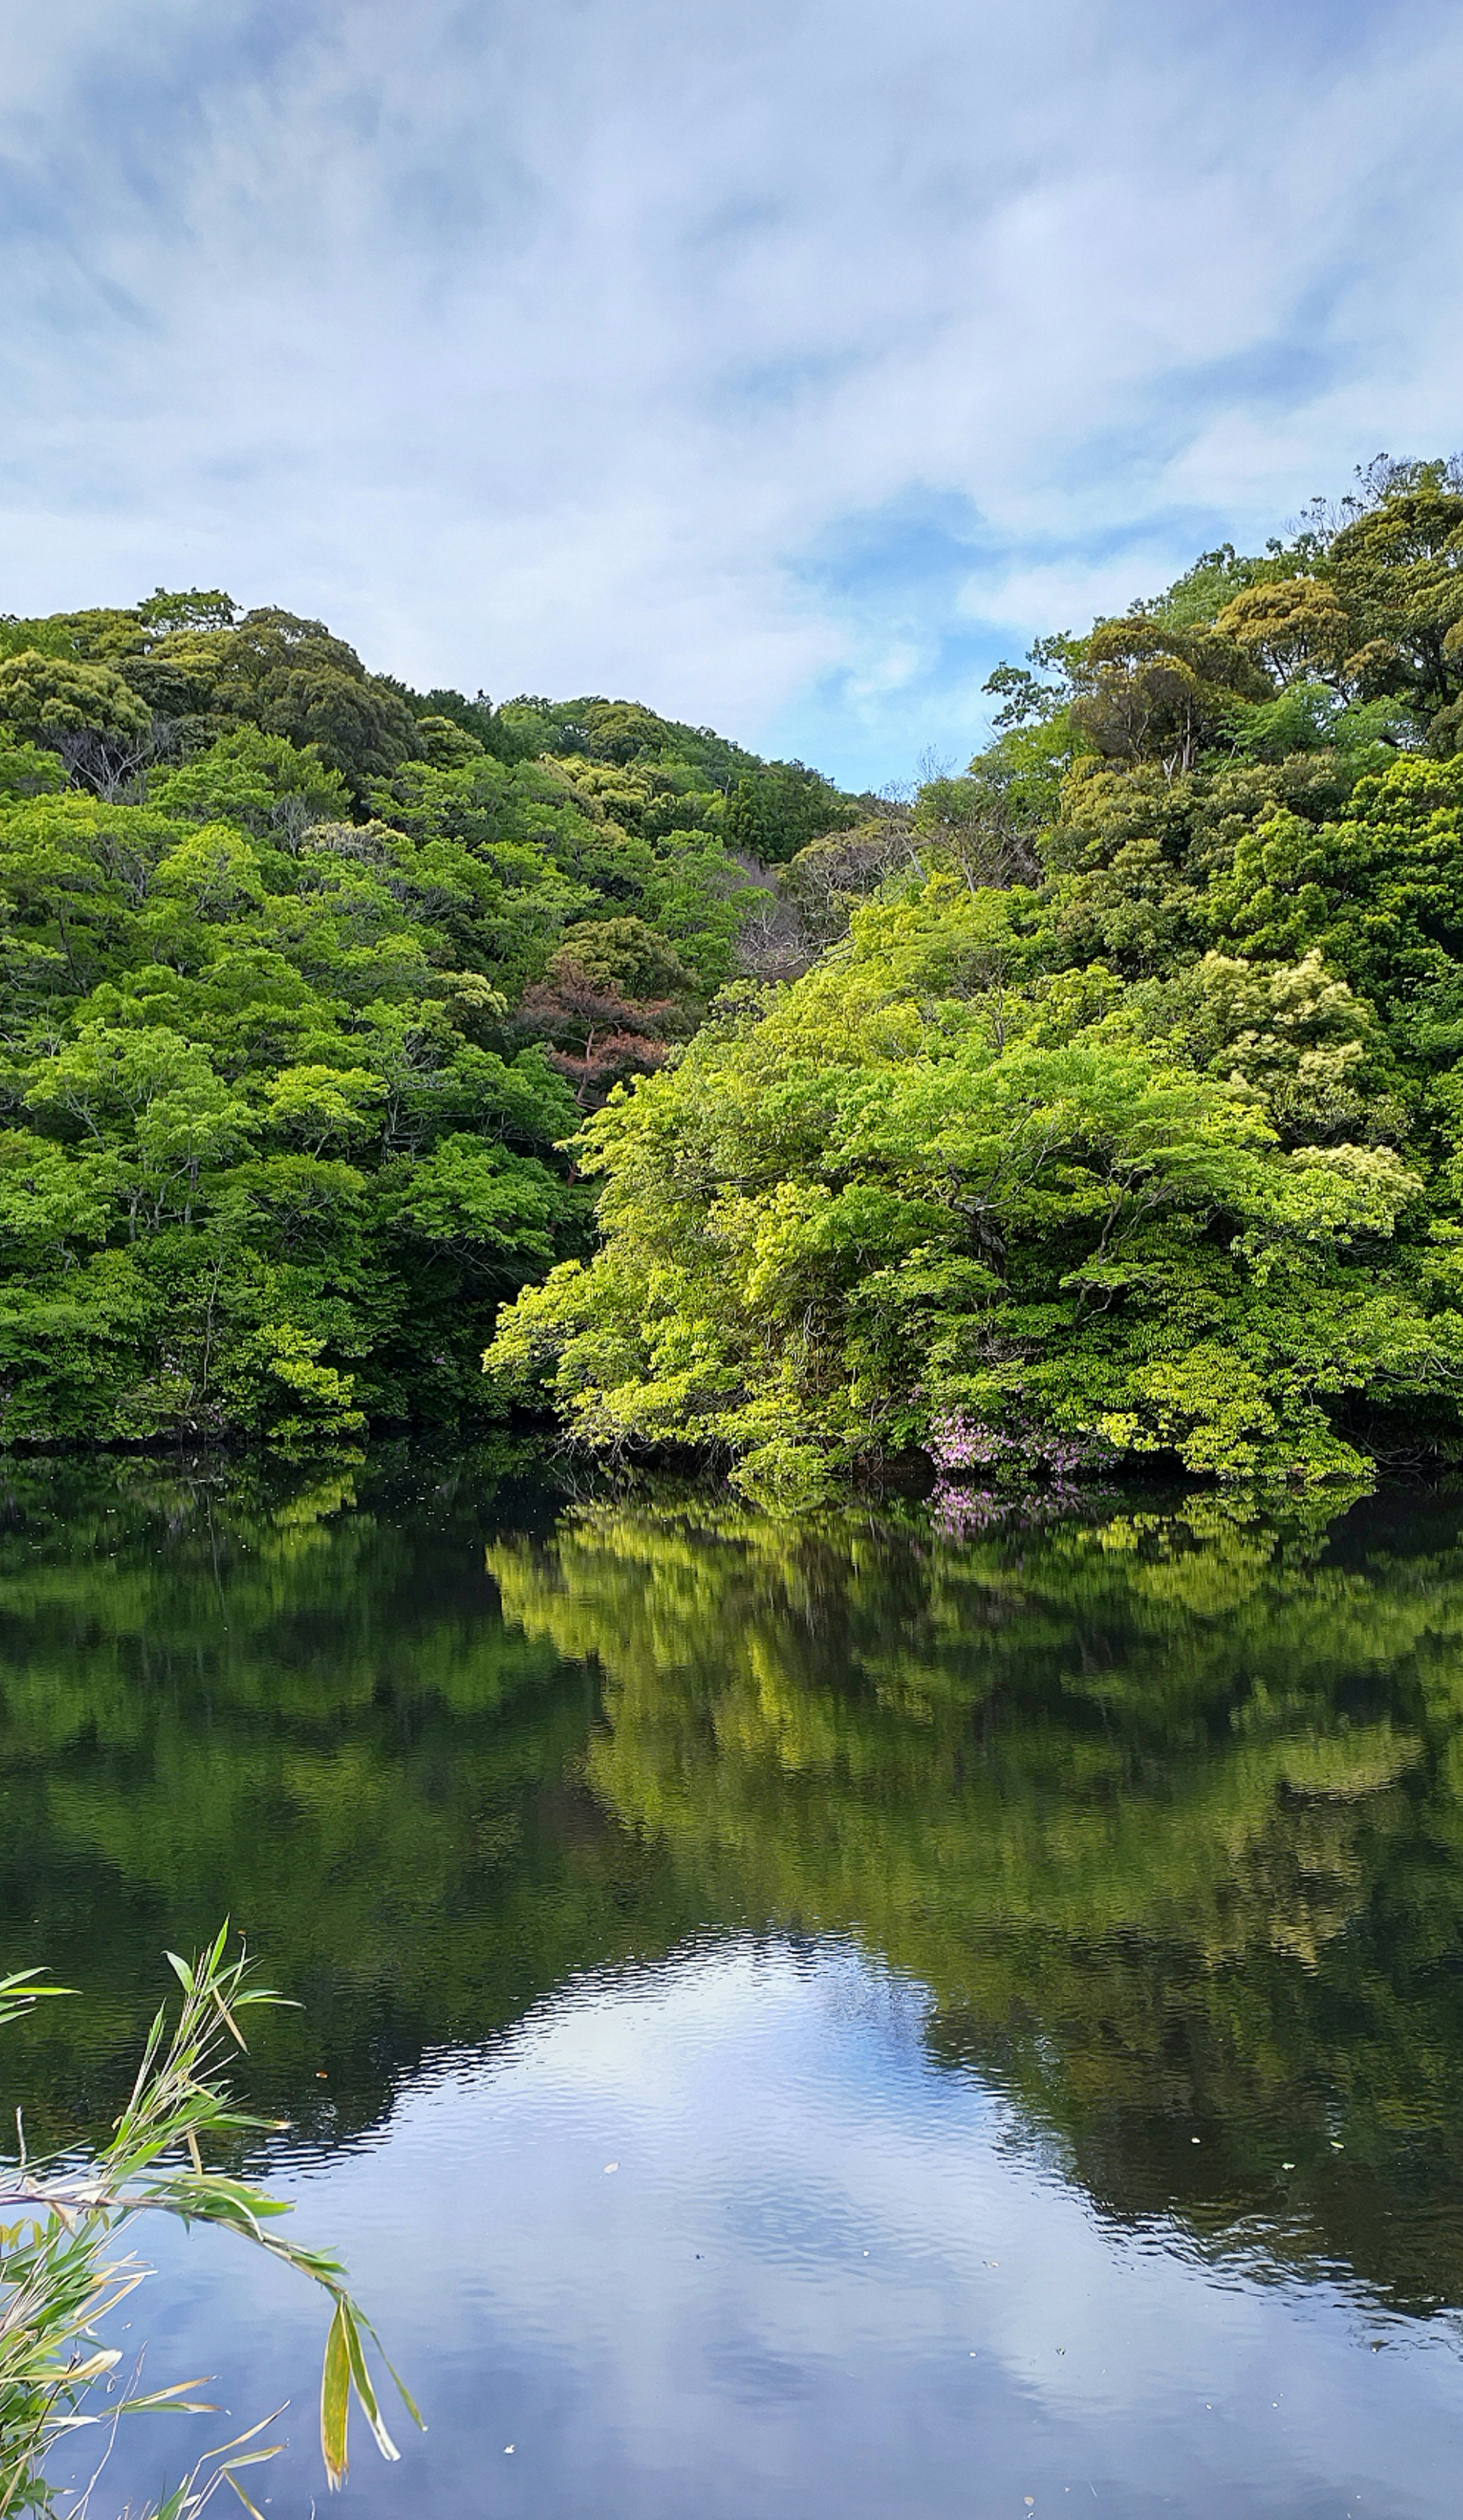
(306, 980)
(1099, 1103)
(1103, 1102)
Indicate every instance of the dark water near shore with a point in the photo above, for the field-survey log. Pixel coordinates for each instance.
(795, 2021)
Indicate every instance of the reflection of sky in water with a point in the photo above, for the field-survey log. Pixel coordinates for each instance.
(822, 2280)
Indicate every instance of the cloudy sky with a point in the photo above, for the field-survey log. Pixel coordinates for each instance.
(783, 363)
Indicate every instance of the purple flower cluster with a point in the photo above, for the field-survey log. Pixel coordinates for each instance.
(958, 1442)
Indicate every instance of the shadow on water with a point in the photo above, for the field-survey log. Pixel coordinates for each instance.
(1162, 1806)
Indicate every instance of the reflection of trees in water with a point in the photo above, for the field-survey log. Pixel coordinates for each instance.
(288, 1698)
(1162, 1809)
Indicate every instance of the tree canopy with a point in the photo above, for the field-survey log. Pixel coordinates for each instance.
(1100, 1102)
(1103, 1104)
(305, 979)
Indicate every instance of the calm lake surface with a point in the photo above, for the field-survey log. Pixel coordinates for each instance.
(834, 2020)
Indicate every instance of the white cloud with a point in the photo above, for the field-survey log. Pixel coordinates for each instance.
(540, 343)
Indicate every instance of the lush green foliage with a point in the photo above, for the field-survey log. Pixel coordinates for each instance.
(304, 979)
(59, 2284)
(1123, 1118)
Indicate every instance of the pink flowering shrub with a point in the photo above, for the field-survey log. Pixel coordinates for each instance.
(958, 1442)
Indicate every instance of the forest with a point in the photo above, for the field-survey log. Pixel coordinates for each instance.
(1098, 1104)
(1107, 1109)
(307, 981)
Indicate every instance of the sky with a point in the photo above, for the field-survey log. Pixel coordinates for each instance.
(782, 364)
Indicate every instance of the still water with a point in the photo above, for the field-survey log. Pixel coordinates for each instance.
(802, 2021)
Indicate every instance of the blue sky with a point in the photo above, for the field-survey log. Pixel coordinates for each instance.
(783, 363)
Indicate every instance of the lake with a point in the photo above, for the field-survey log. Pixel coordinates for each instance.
(901, 2015)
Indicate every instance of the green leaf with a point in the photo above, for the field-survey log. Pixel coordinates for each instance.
(334, 2399)
(364, 2389)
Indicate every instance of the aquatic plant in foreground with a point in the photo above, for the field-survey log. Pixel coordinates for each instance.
(59, 2280)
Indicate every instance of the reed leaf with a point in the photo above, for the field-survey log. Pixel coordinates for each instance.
(58, 2217)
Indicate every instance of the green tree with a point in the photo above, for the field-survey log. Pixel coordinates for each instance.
(776, 810)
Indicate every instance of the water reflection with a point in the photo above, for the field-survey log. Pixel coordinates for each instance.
(1162, 1809)
(1141, 1835)
(818, 2281)
(290, 1698)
